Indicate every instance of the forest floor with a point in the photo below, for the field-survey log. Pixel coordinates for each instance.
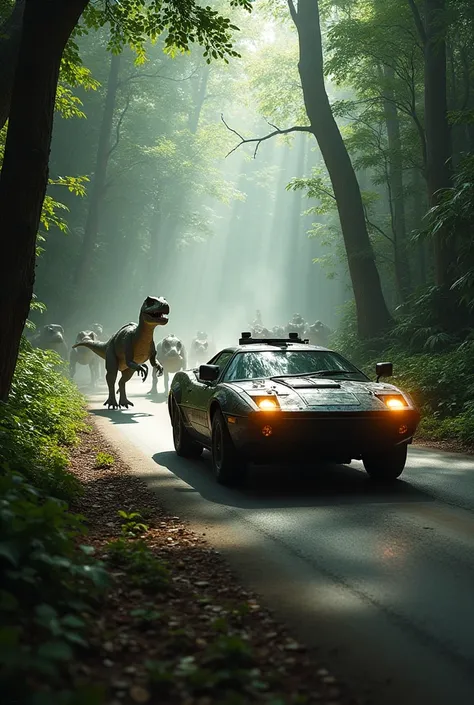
(176, 625)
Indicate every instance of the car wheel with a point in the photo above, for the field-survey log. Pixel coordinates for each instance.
(183, 443)
(228, 468)
(386, 466)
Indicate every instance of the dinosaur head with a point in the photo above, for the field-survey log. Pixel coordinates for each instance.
(154, 312)
(53, 333)
(86, 336)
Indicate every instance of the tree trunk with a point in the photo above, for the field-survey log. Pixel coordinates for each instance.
(438, 139)
(396, 192)
(47, 25)
(373, 316)
(10, 37)
(198, 99)
(432, 32)
(86, 260)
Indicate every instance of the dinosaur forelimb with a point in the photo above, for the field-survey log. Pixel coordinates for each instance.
(141, 370)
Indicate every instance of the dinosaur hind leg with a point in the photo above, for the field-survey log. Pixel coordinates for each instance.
(126, 375)
(111, 376)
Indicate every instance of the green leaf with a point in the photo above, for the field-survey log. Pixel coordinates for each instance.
(10, 551)
(56, 651)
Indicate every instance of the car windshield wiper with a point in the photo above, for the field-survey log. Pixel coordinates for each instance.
(322, 373)
(318, 373)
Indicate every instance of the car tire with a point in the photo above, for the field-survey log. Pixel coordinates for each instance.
(227, 466)
(386, 466)
(184, 445)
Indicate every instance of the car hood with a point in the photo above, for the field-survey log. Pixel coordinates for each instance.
(321, 394)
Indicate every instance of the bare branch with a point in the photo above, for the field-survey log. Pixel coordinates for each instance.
(258, 140)
(119, 125)
(376, 227)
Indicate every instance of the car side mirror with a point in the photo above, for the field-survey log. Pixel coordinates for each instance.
(209, 373)
(383, 369)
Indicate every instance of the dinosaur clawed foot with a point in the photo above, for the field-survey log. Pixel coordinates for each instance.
(111, 403)
(125, 403)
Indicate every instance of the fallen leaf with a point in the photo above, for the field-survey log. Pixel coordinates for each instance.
(139, 694)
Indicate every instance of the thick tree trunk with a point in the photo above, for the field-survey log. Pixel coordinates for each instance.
(47, 25)
(438, 139)
(396, 192)
(373, 316)
(86, 261)
(10, 37)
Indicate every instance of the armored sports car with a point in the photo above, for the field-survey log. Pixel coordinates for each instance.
(284, 399)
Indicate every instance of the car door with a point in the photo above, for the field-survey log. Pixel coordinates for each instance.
(201, 394)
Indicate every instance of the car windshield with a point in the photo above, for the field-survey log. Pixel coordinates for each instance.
(280, 363)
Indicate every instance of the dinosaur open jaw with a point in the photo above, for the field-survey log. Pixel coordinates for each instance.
(160, 317)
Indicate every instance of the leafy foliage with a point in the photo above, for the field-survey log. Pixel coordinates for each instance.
(40, 420)
(48, 584)
(47, 589)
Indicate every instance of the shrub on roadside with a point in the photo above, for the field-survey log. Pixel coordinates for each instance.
(42, 417)
(441, 383)
(48, 586)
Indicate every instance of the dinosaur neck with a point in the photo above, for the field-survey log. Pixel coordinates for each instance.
(144, 332)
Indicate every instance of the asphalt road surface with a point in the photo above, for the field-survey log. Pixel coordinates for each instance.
(381, 581)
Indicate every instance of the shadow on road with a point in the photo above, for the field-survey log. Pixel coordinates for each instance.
(119, 416)
(283, 486)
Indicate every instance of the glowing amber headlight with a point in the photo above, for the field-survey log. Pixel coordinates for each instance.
(394, 403)
(267, 403)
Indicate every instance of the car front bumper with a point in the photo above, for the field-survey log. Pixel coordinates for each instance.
(325, 435)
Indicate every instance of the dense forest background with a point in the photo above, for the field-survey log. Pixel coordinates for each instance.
(319, 160)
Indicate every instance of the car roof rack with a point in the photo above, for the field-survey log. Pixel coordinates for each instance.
(246, 339)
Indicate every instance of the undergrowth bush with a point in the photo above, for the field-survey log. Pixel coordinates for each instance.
(48, 583)
(48, 586)
(441, 382)
(40, 420)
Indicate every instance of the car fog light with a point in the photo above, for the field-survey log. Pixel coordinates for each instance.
(267, 431)
(403, 429)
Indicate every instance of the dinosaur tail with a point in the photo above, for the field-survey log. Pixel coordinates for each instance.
(97, 348)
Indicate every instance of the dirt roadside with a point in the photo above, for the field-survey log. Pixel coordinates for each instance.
(199, 637)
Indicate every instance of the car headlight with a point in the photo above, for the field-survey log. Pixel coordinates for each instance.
(267, 403)
(395, 402)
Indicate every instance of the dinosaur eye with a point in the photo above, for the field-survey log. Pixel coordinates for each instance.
(205, 345)
(178, 345)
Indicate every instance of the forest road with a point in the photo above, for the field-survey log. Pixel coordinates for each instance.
(380, 581)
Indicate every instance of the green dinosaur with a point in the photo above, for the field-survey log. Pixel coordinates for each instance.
(129, 348)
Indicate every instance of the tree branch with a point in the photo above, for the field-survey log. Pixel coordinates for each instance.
(258, 140)
(119, 125)
(376, 227)
(418, 21)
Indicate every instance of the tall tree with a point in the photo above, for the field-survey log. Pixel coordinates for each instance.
(24, 174)
(372, 314)
(432, 30)
(396, 190)
(97, 192)
(10, 35)
(47, 26)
